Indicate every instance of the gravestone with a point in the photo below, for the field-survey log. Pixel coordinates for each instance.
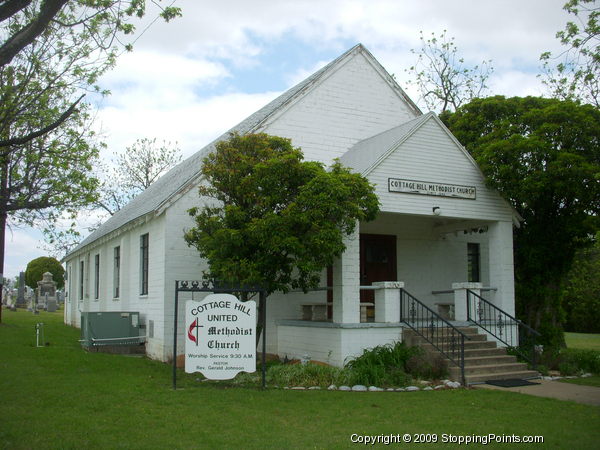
(46, 293)
(21, 302)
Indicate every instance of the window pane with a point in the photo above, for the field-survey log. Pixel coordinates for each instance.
(117, 271)
(144, 264)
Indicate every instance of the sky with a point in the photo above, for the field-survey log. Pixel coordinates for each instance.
(190, 80)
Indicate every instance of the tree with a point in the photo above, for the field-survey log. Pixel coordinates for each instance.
(271, 219)
(543, 156)
(443, 78)
(577, 74)
(581, 291)
(131, 173)
(50, 52)
(39, 266)
(135, 170)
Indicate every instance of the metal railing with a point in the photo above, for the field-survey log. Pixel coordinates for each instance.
(501, 325)
(437, 331)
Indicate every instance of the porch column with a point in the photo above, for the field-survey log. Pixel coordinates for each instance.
(460, 299)
(346, 282)
(500, 235)
(387, 301)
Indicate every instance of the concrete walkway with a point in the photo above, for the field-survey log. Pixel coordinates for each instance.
(588, 395)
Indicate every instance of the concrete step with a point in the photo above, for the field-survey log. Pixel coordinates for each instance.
(469, 345)
(481, 378)
(491, 368)
(416, 340)
(495, 351)
(489, 360)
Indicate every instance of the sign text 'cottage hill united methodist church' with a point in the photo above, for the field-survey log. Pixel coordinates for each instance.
(220, 336)
(429, 188)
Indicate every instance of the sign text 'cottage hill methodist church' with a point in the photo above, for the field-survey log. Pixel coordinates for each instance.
(220, 336)
(429, 188)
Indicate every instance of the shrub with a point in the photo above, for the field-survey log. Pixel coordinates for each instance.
(570, 361)
(305, 375)
(37, 267)
(384, 365)
(427, 365)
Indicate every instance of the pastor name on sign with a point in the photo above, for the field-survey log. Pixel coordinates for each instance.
(220, 336)
(430, 188)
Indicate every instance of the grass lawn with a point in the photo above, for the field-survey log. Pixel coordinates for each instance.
(588, 341)
(588, 381)
(62, 397)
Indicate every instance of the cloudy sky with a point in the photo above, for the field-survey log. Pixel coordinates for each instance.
(192, 79)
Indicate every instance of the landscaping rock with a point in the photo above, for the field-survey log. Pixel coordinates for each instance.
(428, 388)
(586, 375)
(412, 388)
(375, 389)
(453, 384)
(424, 382)
(298, 388)
(333, 387)
(344, 388)
(400, 390)
(314, 388)
(391, 389)
(439, 386)
(359, 388)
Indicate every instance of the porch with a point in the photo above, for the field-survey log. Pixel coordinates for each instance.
(360, 306)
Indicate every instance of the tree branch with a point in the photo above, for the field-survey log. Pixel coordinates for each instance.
(24, 139)
(11, 7)
(26, 35)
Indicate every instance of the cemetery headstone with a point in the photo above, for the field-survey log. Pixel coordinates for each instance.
(46, 293)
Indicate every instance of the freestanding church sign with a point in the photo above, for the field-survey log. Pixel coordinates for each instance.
(220, 336)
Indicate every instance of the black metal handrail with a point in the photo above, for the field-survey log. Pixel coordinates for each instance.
(501, 325)
(436, 330)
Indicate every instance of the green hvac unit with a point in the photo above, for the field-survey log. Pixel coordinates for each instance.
(110, 328)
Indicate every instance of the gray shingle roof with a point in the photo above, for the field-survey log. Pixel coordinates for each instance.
(186, 172)
(365, 154)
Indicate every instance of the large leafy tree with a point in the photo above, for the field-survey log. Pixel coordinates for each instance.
(445, 81)
(574, 73)
(543, 155)
(581, 291)
(272, 219)
(51, 53)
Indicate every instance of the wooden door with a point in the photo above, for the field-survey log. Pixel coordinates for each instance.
(377, 261)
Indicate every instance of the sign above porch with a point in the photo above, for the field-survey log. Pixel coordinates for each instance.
(428, 188)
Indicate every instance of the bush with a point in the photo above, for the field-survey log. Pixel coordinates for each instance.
(427, 365)
(306, 375)
(384, 365)
(37, 267)
(572, 361)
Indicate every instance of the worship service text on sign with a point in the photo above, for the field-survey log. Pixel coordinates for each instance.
(220, 336)
(429, 188)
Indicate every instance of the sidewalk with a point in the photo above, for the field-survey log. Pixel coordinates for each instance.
(588, 395)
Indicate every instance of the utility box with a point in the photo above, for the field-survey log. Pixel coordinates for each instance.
(113, 328)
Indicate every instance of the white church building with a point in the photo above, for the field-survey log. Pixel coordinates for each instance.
(440, 229)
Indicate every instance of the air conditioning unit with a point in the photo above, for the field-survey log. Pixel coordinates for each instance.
(110, 328)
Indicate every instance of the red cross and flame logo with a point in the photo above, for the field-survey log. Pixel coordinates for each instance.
(194, 326)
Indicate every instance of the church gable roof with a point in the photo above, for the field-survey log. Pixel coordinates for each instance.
(187, 173)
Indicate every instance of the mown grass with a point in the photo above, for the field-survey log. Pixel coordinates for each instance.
(588, 381)
(62, 397)
(587, 341)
